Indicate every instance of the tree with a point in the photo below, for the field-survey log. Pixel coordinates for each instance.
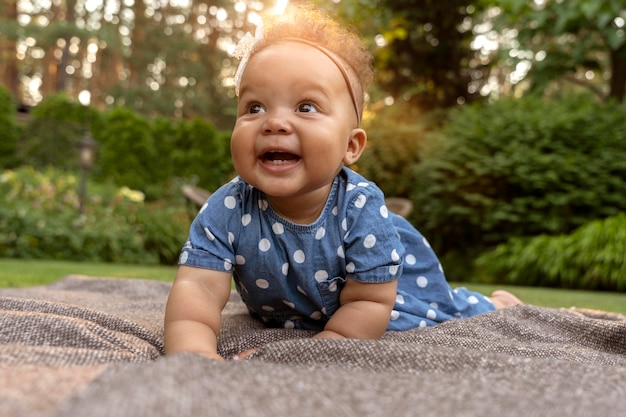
(578, 41)
(8, 58)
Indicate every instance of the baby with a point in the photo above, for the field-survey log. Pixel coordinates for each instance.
(309, 242)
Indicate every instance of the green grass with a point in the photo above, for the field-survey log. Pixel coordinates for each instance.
(24, 273)
(557, 298)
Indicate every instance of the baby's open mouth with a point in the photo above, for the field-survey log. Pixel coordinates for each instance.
(278, 157)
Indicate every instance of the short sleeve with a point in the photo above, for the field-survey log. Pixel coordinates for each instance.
(213, 231)
(372, 245)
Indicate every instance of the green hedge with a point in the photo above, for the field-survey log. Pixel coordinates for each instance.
(592, 257)
(142, 154)
(55, 127)
(520, 167)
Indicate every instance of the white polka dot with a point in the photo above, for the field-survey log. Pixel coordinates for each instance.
(246, 219)
(434, 305)
(394, 256)
(267, 308)
(321, 275)
(410, 259)
(204, 206)
(208, 234)
(384, 212)
(370, 241)
(400, 299)
(316, 315)
(278, 228)
(183, 258)
(431, 314)
(340, 252)
(395, 314)
(289, 324)
(350, 187)
(301, 290)
(289, 304)
(230, 202)
(231, 238)
(363, 184)
(285, 269)
(324, 311)
(472, 300)
(334, 211)
(426, 242)
(423, 324)
(228, 264)
(333, 286)
(262, 283)
(440, 268)
(264, 245)
(393, 269)
(360, 201)
(422, 281)
(240, 260)
(263, 204)
(298, 256)
(344, 224)
(350, 267)
(321, 232)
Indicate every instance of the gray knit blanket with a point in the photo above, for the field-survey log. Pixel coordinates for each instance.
(94, 347)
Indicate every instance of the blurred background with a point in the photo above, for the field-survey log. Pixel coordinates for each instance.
(502, 121)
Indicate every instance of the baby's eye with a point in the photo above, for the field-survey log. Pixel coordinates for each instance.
(256, 108)
(307, 108)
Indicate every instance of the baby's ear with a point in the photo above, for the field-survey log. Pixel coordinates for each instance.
(356, 146)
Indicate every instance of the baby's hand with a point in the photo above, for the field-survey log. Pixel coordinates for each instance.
(244, 354)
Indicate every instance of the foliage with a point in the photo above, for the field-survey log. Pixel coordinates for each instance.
(56, 126)
(9, 131)
(132, 150)
(569, 39)
(520, 167)
(422, 48)
(592, 257)
(127, 153)
(203, 153)
(39, 219)
(396, 135)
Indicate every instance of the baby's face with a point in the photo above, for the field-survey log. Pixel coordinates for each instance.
(296, 122)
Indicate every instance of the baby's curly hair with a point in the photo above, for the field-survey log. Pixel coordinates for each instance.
(310, 24)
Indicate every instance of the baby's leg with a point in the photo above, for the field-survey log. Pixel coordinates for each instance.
(504, 299)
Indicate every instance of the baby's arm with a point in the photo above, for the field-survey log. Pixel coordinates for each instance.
(194, 310)
(364, 312)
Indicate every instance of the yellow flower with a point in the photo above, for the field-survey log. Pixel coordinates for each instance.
(132, 195)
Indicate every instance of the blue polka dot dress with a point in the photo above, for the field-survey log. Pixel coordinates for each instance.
(290, 275)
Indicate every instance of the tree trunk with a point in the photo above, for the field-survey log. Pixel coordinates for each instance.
(618, 74)
(9, 74)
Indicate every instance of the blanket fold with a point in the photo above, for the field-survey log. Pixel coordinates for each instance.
(93, 347)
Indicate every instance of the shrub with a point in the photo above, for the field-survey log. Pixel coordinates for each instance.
(592, 257)
(127, 153)
(202, 154)
(56, 126)
(395, 137)
(520, 167)
(39, 219)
